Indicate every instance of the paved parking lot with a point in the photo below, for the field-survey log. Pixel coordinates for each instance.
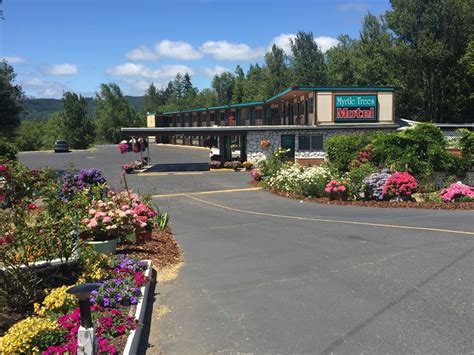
(264, 274)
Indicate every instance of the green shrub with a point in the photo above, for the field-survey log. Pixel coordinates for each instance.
(421, 151)
(7, 151)
(342, 149)
(275, 162)
(466, 143)
(355, 180)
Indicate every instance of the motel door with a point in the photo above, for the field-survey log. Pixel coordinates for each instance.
(288, 142)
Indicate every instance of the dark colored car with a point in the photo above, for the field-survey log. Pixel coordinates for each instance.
(61, 146)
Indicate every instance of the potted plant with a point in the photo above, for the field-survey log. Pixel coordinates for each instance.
(102, 225)
(265, 143)
(128, 168)
(247, 165)
(143, 219)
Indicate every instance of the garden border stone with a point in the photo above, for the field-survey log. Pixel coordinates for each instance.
(133, 340)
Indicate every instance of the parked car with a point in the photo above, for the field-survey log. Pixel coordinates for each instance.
(61, 146)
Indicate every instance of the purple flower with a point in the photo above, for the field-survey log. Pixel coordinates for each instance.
(118, 297)
(106, 302)
(133, 300)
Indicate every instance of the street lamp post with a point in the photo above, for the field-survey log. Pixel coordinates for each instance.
(86, 340)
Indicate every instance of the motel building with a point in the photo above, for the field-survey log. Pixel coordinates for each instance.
(300, 119)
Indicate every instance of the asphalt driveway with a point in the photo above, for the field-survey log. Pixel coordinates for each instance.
(264, 274)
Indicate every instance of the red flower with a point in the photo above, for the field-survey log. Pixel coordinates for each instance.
(32, 206)
(2, 197)
(3, 168)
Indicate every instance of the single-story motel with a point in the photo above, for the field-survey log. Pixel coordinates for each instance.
(300, 119)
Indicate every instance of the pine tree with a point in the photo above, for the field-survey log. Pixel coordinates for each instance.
(238, 91)
(307, 64)
(277, 72)
(223, 84)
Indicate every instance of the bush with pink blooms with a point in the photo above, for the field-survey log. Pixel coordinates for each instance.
(400, 185)
(336, 190)
(457, 192)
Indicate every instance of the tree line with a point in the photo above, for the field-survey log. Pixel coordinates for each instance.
(423, 47)
(73, 124)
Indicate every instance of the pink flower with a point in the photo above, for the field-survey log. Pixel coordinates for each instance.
(32, 206)
(92, 223)
(107, 219)
(2, 197)
(3, 168)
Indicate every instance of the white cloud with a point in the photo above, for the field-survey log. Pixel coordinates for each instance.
(43, 88)
(61, 69)
(177, 50)
(325, 42)
(353, 6)
(138, 70)
(138, 86)
(127, 69)
(283, 41)
(13, 59)
(223, 50)
(211, 72)
(166, 71)
(141, 53)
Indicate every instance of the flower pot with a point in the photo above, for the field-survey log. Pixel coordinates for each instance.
(104, 246)
(145, 235)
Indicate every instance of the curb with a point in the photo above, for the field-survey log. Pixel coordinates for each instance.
(133, 340)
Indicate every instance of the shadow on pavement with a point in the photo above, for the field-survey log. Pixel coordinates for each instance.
(163, 168)
(144, 343)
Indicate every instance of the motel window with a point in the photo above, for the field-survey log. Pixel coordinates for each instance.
(212, 119)
(311, 104)
(306, 142)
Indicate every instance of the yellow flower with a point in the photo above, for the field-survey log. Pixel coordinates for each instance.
(18, 338)
(57, 300)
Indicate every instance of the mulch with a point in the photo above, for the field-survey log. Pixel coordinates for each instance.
(376, 204)
(162, 249)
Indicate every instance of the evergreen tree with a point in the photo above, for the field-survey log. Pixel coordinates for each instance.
(435, 35)
(277, 73)
(112, 113)
(307, 65)
(254, 85)
(78, 127)
(178, 86)
(152, 99)
(224, 86)
(10, 97)
(373, 58)
(238, 90)
(340, 62)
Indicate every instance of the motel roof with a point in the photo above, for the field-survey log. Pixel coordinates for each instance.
(238, 130)
(295, 90)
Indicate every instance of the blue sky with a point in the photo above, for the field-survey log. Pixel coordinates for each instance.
(59, 45)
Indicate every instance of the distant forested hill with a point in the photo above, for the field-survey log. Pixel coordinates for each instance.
(43, 108)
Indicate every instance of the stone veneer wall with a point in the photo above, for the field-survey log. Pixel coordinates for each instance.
(255, 153)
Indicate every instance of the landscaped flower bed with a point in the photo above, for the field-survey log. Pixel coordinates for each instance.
(358, 182)
(46, 222)
(53, 327)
